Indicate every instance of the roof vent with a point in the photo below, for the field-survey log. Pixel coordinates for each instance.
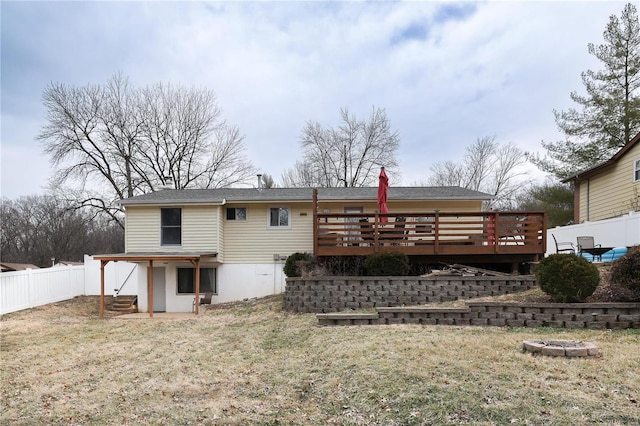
(259, 182)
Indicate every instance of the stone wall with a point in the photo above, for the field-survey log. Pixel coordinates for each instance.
(334, 294)
(556, 315)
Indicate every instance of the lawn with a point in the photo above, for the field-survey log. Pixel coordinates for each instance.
(252, 363)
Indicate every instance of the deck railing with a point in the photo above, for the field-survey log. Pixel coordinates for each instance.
(430, 233)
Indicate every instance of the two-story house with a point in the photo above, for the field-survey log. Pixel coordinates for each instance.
(609, 189)
(606, 203)
(232, 243)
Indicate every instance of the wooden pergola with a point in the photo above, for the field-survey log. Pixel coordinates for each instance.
(193, 258)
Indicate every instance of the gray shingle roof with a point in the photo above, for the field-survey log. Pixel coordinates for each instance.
(219, 196)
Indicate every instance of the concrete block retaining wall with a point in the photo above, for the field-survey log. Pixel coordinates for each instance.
(334, 294)
(556, 315)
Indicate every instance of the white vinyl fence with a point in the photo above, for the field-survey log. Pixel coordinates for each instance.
(622, 231)
(35, 287)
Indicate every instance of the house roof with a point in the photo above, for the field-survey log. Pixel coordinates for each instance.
(599, 167)
(159, 256)
(68, 263)
(10, 267)
(226, 195)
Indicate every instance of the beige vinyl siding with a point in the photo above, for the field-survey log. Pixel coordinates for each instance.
(612, 192)
(200, 231)
(220, 216)
(199, 228)
(252, 241)
(406, 206)
(142, 229)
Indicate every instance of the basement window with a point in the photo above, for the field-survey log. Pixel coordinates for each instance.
(187, 280)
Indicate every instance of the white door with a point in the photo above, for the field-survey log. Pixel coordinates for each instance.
(159, 291)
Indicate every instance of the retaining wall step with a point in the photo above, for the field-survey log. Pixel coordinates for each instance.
(496, 314)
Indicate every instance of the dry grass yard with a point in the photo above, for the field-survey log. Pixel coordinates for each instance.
(252, 363)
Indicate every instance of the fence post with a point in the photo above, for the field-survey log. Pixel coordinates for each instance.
(30, 290)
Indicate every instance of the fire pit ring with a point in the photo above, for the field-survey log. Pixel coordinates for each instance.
(567, 348)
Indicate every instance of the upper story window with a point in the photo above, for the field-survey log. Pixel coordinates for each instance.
(279, 217)
(171, 227)
(636, 171)
(236, 213)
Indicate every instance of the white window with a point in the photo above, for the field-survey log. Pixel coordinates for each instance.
(636, 171)
(171, 227)
(236, 213)
(279, 217)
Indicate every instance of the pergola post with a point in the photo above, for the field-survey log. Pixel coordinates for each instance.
(197, 262)
(150, 288)
(102, 265)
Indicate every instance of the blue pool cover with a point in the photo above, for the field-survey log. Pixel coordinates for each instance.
(610, 256)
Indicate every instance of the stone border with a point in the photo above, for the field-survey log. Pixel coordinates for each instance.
(555, 315)
(566, 348)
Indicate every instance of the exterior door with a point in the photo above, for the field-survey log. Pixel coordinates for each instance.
(159, 290)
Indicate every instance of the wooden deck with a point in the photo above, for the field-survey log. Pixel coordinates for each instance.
(480, 237)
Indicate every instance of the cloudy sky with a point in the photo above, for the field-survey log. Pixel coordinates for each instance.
(447, 73)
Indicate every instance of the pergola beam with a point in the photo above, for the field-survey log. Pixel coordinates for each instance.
(194, 259)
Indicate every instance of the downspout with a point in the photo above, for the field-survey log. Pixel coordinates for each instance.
(588, 199)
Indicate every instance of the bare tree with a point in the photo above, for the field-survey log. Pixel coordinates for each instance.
(38, 228)
(114, 141)
(301, 175)
(349, 155)
(268, 181)
(487, 167)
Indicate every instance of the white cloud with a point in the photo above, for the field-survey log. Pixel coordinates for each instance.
(447, 73)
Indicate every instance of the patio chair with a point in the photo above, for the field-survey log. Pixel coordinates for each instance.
(563, 247)
(586, 243)
(366, 231)
(205, 300)
(399, 229)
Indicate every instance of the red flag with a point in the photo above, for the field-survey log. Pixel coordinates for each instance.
(383, 189)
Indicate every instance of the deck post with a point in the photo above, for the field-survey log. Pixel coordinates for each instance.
(315, 221)
(545, 217)
(376, 220)
(496, 231)
(436, 229)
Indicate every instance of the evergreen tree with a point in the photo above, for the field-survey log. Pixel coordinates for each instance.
(554, 198)
(609, 113)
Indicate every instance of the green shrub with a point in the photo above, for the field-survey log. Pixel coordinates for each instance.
(292, 265)
(350, 266)
(567, 277)
(387, 264)
(626, 270)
